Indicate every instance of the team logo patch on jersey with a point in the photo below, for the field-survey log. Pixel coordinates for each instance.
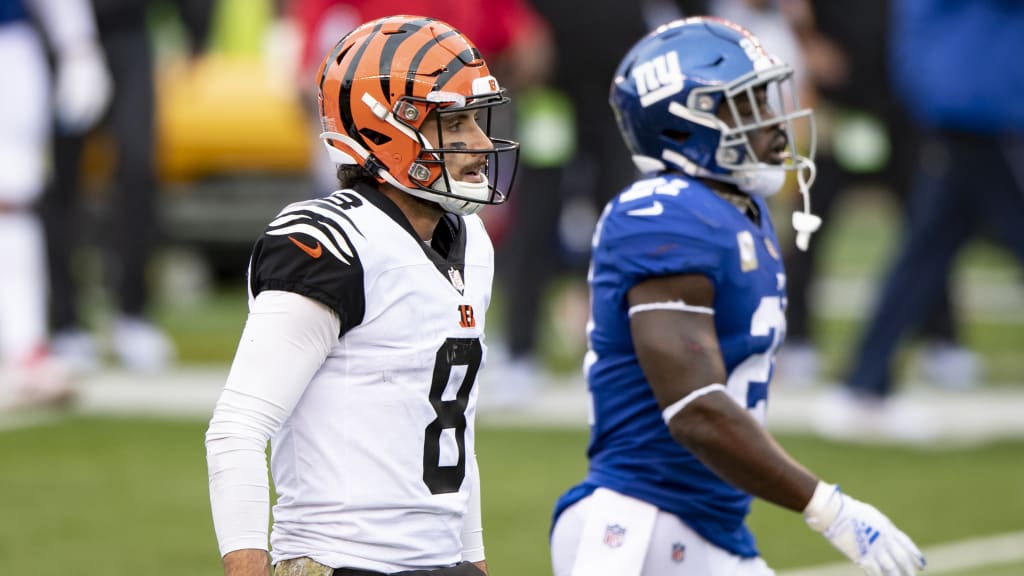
(748, 255)
(456, 277)
(466, 317)
(614, 535)
(678, 552)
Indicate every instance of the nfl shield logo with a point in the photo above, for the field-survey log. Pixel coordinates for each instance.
(614, 535)
(456, 279)
(678, 552)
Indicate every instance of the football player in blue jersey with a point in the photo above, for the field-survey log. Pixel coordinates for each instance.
(75, 97)
(688, 308)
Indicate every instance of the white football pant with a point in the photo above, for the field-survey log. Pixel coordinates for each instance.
(609, 534)
(25, 113)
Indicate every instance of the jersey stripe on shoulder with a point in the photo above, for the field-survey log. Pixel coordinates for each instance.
(320, 221)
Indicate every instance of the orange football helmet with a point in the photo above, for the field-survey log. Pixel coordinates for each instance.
(377, 87)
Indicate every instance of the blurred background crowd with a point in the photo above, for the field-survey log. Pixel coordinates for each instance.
(168, 133)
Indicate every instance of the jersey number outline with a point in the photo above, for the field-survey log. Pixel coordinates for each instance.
(451, 414)
(749, 380)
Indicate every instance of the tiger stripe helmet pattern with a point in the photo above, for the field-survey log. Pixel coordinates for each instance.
(378, 85)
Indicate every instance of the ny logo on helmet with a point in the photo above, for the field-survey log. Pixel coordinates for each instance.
(658, 78)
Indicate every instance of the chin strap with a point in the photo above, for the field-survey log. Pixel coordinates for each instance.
(804, 222)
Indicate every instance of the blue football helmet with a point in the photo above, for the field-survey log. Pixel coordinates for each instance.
(667, 93)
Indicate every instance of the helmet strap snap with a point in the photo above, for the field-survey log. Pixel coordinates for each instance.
(419, 172)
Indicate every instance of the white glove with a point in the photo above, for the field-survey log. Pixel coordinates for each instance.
(82, 88)
(862, 533)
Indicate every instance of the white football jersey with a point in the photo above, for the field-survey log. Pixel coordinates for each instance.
(373, 468)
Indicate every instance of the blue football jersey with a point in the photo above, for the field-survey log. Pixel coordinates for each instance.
(12, 11)
(660, 226)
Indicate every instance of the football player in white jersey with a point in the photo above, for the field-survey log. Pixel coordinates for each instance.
(687, 311)
(79, 94)
(359, 357)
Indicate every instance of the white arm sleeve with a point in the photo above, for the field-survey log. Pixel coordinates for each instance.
(69, 24)
(472, 525)
(285, 341)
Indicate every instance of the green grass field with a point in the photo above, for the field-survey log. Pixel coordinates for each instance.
(129, 496)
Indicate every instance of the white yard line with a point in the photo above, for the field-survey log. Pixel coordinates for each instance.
(28, 420)
(978, 416)
(943, 559)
